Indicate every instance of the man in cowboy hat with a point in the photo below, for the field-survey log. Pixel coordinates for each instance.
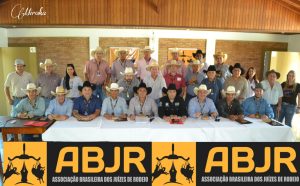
(213, 83)
(30, 107)
(222, 69)
(128, 82)
(114, 105)
(97, 72)
(155, 80)
(199, 55)
(175, 57)
(256, 106)
(86, 107)
(238, 81)
(142, 104)
(172, 106)
(201, 106)
(144, 62)
(120, 64)
(14, 83)
(175, 78)
(60, 108)
(229, 107)
(273, 91)
(193, 79)
(48, 80)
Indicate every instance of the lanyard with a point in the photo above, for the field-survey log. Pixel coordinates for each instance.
(257, 104)
(113, 106)
(86, 105)
(201, 107)
(142, 106)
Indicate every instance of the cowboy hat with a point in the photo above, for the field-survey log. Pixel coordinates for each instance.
(87, 84)
(230, 90)
(222, 54)
(98, 49)
(48, 62)
(19, 62)
(117, 51)
(202, 87)
(153, 64)
(114, 86)
(258, 86)
(32, 86)
(237, 65)
(196, 62)
(210, 68)
(59, 91)
(147, 48)
(199, 52)
(174, 50)
(173, 62)
(128, 71)
(172, 86)
(273, 71)
(142, 85)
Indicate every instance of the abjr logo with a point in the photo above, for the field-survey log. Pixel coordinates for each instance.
(22, 166)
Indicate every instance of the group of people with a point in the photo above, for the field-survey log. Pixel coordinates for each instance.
(174, 91)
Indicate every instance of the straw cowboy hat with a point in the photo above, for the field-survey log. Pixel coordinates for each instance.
(98, 49)
(114, 86)
(117, 51)
(60, 91)
(142, 85)
(196, 62)
(172, 86)
(128, 71)
(147, 48)
(202, 87)
(222, 54)
(173, 62)
(32, 86)
(19, 62)
(153, 64)
(48, 62)
(199, 52)
(237, 65)
(273, 71)
(87, 84)
(174, 50)
(230, 90)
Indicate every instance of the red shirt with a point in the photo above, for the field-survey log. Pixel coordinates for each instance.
(178, 80)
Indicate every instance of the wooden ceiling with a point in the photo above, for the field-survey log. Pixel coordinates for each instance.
(271, 16)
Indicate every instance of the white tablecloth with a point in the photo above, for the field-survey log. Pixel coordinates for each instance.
(193, 130)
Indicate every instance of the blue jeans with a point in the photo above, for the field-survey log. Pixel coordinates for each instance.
(99, 93)
(287, 113)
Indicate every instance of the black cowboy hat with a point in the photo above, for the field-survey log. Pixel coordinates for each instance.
(237, 65)
(273, 71)
(87, 84)
(210, 68)
(142, 85)
(199, 52)
(172, 86)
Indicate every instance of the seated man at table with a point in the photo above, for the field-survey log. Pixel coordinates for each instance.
(172, 106)
(142, 104)
(114, 105)
(60, 108)
(256, 106)
(86, 107)
(202, 106)
(29, 107)
(229, 107)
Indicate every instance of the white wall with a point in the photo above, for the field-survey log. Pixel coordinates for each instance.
(294, 43)
(3, 37)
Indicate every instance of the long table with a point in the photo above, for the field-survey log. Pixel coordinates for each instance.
(193, 130)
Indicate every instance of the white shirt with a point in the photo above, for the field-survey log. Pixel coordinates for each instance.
(156, 85)
(18, 82)
(251, 86)
(272, 94)
(74, 83)
(141, 67)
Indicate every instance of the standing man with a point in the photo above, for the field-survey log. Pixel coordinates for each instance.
(97, 72)
(222, 69)
(144, 62)
(120, 65)
(199, 55)
(175, 57)
(15, 82)
(48, 81)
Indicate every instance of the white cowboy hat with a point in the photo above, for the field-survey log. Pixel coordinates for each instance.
(147, 48)
(174, 50)
(196, 62)
(152, 64)
(222, 54)
(128, 71)
(117, 51)
(230, 90)
(59, 91)
(114, 86)
(202, 87)
(173, 62)
(32, 86)
(98, 49)
(48, 62)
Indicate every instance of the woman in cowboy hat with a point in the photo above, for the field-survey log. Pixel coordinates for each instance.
(144, 62)
(273, 91)
(142, 104)
(30, 107)
(175, 57)
(229, 107)
(97, 72)
(120, 64)
(156, 81)
(172, 106)
(222, 69)
(238, 81)
(48, 80)
(114, 105)
(60, 108)
(71, 82)
(199, 55)
(128, 82)
(201, 106)
(87, 107)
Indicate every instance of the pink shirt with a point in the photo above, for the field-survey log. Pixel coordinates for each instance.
(178, 80)
(96, 73)
(142, 64)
